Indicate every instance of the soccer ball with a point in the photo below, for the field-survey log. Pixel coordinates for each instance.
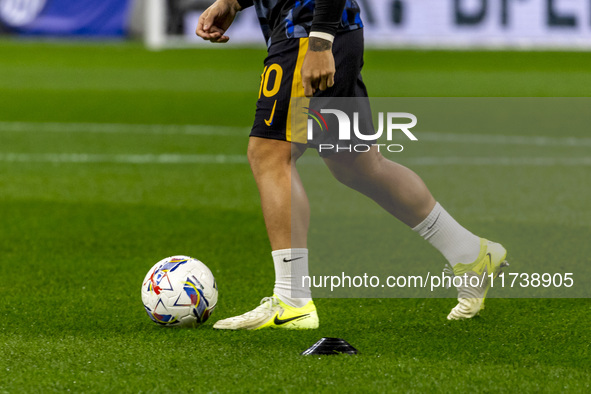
(179, 291)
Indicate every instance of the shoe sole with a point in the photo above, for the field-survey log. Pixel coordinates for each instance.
(306, 323)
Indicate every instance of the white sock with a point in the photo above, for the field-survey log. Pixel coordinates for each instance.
(290, 266)
(455, 243)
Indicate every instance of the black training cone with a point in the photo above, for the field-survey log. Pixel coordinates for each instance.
(330, 346)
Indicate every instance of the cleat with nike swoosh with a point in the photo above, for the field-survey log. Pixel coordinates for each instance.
(273, 313)
(471, 298)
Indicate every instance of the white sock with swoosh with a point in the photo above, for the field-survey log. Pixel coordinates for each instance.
(290, 266)
(457, 244)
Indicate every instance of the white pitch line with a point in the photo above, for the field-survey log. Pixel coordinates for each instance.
(499, 161)
(241, 159)
(121, 158)
(207, 130)
(503, 139)
(121, 128)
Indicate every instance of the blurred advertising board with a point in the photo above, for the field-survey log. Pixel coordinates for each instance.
(454, 23)
(103, 18)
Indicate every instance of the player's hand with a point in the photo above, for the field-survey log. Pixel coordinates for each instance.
(215, 20)
(318, 69)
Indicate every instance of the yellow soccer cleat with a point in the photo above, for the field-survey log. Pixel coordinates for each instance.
(471, 297)
(273, 313)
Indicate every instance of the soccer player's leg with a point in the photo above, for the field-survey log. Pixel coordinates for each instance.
(402, 193)
(290, 307)
(272, 158)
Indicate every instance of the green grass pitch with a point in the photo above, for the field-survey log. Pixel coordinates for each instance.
(85, 212)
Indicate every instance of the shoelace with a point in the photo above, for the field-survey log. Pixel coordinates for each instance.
(447, 269)
(269, 302)
(266, 303)
(473, 291)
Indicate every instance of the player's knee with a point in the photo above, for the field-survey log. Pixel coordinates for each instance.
(358, 171)
(348, 176)
(267, 155)
(253, 155)
(256, 158)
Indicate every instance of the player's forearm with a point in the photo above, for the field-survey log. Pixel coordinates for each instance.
(327, 17)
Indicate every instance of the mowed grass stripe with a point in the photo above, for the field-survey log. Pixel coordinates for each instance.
(504, 139)
(241, 159)
(232, 131)
(123, 159)
(66, 127)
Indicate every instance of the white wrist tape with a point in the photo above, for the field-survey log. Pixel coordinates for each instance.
(324, 36)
